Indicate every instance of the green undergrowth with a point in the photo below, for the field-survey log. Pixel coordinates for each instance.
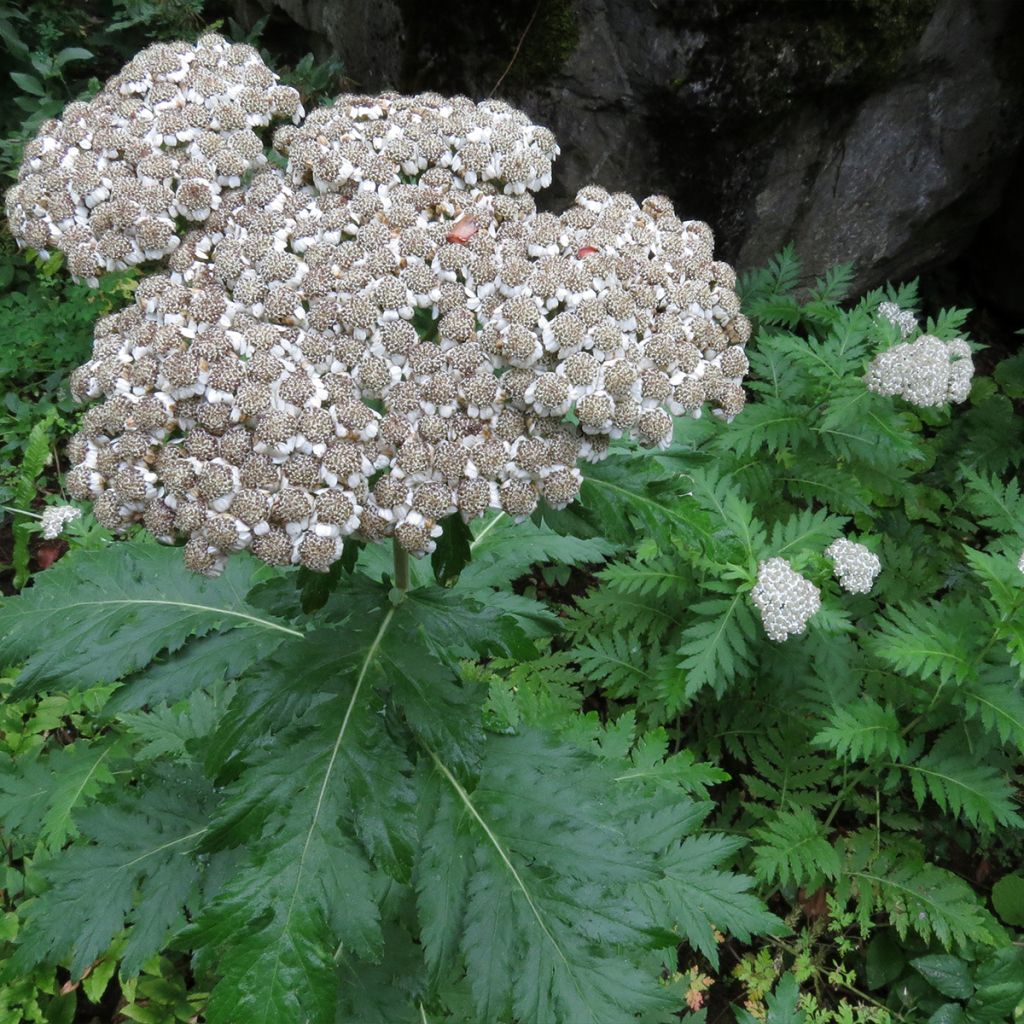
(563, 776)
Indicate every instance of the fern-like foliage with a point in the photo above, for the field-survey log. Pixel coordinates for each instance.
(792, 847)
(915, 896)
(959, 784)
(37, 454)
(716, 647)
(927, 641)
(863, 731)
(502, 550)
(40, 792)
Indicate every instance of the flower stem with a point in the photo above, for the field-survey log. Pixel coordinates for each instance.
(401, 567)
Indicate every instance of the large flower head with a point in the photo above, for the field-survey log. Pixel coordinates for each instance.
(386, 332)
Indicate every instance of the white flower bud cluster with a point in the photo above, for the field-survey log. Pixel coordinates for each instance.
(926, 372)
(904, 319)
(784, 598)
(855, 566)
(387, 332)
(108, 182)
(56, 517)
(389, 138)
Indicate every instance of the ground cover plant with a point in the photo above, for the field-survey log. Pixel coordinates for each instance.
(673, 711)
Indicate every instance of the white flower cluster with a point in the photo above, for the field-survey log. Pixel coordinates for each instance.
(386, 332)
(784, 598)
(107, 182)
(389, 138)
(904, 319)
(56, 517)
(1020, 562)
(855, 566)
(926, 372)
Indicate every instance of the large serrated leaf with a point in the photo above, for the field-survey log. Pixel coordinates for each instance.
(503, 550)
(134, 867)
(526, 868)
(117, 608)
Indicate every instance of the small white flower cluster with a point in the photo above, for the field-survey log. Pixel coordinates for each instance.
(164, 138)
(926, 372)
(904, 319)
(56, 517)
(855, 566)
(785, 599)
(387, 332)
(1020, 562)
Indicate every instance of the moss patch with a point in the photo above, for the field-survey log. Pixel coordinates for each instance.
(550, 42)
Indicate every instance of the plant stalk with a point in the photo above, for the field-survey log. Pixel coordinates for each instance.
(401, 566)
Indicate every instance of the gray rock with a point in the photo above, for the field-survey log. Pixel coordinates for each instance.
(904, 183)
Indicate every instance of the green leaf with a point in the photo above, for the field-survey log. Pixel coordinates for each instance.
(923, 897)
(962, 785)
(946, 974)
(862, 731)
(702, 898)
(1009, 374)
(927, 641)
(998, 705)
(295, 812)
(114, 610)
(618, 663)
(653, 765)
(805, 530)
(134, 868)
(163, 731)
(72, 53)
(33, 463)
(660, 577)
(716, 648)
(39, 794)
(95, 983)
(948, 1013)
(28, 83)
(792, 847)
(999, 986)
(781, 275)
(885, 959)
(773, 423)
(304, 807)
(783, 1005)
(452, 553)
(534, 866)
(204, 661)
(503, 550)
(640, 496)
(998, 506)
(1008, 899)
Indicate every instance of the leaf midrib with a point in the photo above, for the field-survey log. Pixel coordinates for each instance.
(506, 860)
(266, 623)
(332, 760)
